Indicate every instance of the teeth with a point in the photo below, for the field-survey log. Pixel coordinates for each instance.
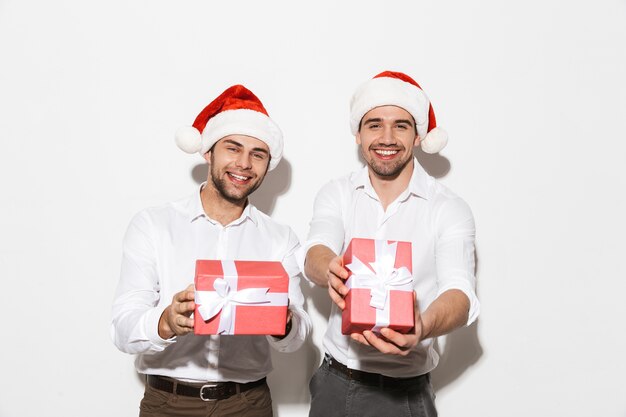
(385, 153)
(239, 177)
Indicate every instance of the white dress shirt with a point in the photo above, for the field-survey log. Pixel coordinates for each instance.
(440, 227)
(161, 247)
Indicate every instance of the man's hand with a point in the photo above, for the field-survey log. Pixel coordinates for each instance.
(336, 275)
(326, 269)
(287, 326)
(449, 311)
(391, 342)
(175, 320)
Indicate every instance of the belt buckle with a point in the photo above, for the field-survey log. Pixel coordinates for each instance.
(209, 386)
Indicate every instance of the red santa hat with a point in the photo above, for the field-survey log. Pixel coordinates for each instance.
(397, 89)
(237, 111)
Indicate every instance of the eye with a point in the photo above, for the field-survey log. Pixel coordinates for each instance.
(259, 156)
(402, 126)
(231, 149)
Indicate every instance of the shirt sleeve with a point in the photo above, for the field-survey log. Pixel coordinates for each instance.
(455, 253)
(135, 315)
(300, 321)
(327, 226)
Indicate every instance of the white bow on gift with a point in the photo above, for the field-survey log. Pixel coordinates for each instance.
(224, 299)
(383, 278)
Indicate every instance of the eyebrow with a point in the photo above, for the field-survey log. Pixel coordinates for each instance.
(397, 121)
(373, 120)
(239, 145)
(407, 121)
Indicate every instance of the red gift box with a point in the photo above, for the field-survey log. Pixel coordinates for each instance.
(380, 286)
(240, 297)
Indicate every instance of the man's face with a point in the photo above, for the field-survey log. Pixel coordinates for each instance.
(387, 137)
(237, 166)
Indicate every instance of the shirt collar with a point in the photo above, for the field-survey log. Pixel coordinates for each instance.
(418, 184)
(196, 211)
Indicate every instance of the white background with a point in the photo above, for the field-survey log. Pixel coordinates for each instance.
(532, 94)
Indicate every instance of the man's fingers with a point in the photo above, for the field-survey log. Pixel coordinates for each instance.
(359, 338)
(337, 268)
(191, 292)
(184, 322)
(336, 287)
(380, 344)
(337, 290)
(185, 308)
(180, 311)
(400, 340)
(387, 346)
(337, 284)
(182, 325)
(187, 294)
(337, 298)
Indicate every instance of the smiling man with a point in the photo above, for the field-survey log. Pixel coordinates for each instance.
(386, 373)
(207, 375)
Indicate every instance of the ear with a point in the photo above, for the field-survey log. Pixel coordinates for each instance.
(357, 137)
(416, 141)
(207, 156)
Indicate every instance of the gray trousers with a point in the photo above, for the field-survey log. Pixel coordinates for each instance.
(333, 395)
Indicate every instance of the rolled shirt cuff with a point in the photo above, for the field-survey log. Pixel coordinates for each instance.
(152, 329)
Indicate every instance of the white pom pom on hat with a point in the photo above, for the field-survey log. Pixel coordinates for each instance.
(189, 139)
(391, 88)
(436, 139)
(237, 111)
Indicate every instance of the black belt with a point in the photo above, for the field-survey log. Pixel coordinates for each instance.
(373, 379)
(211, 391)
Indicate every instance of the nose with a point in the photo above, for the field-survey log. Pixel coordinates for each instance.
(244, 160)
(387, 135)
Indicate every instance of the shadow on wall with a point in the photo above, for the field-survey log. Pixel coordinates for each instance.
(436, 165)
(460, 351)
(275, 184)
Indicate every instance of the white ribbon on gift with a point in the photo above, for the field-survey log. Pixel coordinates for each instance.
(381, 278)
(225, 298)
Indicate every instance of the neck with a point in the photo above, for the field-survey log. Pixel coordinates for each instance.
(389, 188)
(217, 207)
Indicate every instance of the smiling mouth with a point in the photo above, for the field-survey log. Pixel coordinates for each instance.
(238, 178)
(386, 152)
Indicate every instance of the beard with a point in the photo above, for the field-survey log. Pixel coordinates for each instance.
(227, 190)
(386, 169)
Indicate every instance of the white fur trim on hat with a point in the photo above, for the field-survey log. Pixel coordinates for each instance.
(387, 91)
(244, 122)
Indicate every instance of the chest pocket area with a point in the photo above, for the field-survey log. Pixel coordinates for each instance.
(355, 220)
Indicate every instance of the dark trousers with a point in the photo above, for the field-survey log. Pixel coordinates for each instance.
(256, 402)
(334, 395)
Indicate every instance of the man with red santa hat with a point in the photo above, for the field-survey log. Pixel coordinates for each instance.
(216, 375)
(383, 372)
